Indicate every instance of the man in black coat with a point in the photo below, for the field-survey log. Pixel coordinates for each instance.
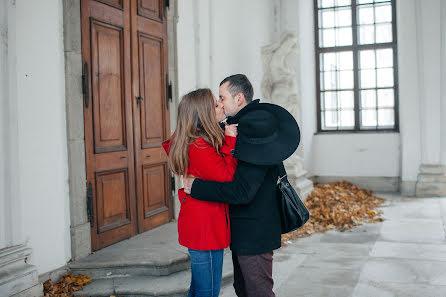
(267, 135)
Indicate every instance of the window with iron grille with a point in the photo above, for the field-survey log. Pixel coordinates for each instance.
(356, 64)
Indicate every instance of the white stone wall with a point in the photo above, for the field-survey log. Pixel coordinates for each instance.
(421, 28)
(220, 38)
(11, 222)
(443, 82)
(429, 77)
(4, 234)
(33, 103)
(408, 72)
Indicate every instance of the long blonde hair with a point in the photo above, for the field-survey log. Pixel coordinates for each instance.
(196, 119)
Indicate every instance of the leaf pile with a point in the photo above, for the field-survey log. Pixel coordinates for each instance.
(65, 286)
(338, 206)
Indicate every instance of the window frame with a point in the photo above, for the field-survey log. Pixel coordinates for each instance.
(356, 48)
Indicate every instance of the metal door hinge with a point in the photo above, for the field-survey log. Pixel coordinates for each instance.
(166, 6)
(90, 209)
(168, 91)
(172, 183)
(139, 99)
(85, 84)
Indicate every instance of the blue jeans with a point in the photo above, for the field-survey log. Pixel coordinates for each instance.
(206, 273)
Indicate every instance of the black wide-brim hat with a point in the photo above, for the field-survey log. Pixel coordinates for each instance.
(267, 134)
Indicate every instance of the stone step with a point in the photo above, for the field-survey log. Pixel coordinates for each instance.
(430, 189)
(431, 184)
(153, 253)
(432, 178)
(173, 285)
(16, 276)
(126, 268)
(14, 254)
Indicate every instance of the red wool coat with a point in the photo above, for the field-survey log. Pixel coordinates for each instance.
(204, 225)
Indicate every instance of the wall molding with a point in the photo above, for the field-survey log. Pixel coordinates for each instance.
(375, 183)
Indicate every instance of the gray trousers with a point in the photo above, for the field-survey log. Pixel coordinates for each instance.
(253, 275)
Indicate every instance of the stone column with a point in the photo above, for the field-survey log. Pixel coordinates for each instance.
(279, 86)
(443, 83)
(430, 24)
(17, 277)
(79, 225)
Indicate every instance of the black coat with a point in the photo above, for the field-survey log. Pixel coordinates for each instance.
(253, 208)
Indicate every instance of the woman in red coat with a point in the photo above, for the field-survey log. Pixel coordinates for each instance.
(200, 148)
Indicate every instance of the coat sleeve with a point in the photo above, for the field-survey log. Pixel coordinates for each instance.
(247, 180)
(213, 165)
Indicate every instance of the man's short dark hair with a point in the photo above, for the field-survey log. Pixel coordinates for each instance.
(239, 83)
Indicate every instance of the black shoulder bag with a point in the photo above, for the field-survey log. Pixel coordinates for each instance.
(293, 213)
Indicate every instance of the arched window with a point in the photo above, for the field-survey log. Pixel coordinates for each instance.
(356, 58)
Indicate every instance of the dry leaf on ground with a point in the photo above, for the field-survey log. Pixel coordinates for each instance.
(65, 287)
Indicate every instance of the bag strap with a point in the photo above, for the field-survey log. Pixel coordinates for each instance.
(282, 171)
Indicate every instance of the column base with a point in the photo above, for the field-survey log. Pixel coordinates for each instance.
(303, 187)
(80, 241)
(408, 188)
(431, 181)
(301, 184)
(16, 277)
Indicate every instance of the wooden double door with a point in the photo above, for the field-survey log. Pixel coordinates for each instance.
(126, 117)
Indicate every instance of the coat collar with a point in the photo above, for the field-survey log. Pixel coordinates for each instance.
(235, 119)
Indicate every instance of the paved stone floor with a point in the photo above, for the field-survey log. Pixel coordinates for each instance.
(404, 256)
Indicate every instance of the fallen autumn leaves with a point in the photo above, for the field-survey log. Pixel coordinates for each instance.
(337, 205)
(65, 286)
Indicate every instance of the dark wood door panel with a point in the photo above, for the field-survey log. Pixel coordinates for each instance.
(113, 204)
(107, 13)
(154, 188)
(114, 3)
(152, 9)
(107, 47)
(151, 27)
(108, 120)
(151, 121)
(104, 162)
(152, 156)
(152, 86)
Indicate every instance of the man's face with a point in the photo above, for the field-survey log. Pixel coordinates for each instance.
(229, 102)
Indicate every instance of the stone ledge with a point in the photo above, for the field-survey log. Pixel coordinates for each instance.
(16, 276)
(374, 183)
(427, 189)
(155, 252)
(173, 285)
(432, 178)
(36, 291)
(433, 169)
(14, 254)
